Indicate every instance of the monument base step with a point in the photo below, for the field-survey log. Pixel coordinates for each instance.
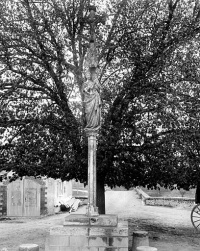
(79, 233)
(99, 220)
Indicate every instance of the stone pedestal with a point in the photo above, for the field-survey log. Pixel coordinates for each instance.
(140, 238)
(84, 233)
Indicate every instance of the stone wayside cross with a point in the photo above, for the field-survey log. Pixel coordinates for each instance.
(92, 108)
(90, 231)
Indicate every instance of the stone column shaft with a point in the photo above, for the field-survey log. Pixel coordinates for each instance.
(92, 177)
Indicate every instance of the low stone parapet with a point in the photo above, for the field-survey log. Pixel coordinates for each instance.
(169, 202)
(143, 196)
(164, 201)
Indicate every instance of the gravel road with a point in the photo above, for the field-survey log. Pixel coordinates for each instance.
(169, 229)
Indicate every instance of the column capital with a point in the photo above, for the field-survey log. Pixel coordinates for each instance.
(91, 132)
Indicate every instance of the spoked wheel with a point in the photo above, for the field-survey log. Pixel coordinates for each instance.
(195, 217)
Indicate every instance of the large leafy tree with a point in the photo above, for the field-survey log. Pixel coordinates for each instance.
(149, 72)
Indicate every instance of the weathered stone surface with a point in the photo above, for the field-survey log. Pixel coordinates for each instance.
(118, 241)
(53, 248)
(109, 249)
(100, 220)
(105, 220)
(89, 237)
(78, 241)
(92, 174)
(69, 249)
(65, 248)
(122, 224)
(69, 230)
(59, 240)
(97, 241)
(108, 231)
(89, 249)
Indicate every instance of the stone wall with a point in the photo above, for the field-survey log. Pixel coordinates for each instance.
(79, 190)
(164, 201)
(51, 191)
(3, 199)
(56, 190)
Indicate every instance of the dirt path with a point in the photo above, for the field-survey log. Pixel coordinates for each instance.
(18, 231)
(169, 229)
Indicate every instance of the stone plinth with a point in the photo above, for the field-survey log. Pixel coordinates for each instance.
(80, 232)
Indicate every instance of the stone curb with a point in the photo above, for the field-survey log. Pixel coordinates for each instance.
(163, 201)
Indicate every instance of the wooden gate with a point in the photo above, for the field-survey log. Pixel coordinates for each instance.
(23, 198)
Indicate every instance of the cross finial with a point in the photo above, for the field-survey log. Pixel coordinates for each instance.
(93, 20)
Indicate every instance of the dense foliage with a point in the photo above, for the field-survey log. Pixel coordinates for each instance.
(149, 72)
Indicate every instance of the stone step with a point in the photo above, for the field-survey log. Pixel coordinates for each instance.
(110, 220)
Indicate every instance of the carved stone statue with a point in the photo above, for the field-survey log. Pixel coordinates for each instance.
(92, 101)
(91, 87)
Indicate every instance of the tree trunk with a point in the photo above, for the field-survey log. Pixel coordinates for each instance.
(197, 194)
(101, 196)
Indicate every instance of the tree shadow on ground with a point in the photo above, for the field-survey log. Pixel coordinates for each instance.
(161, 234)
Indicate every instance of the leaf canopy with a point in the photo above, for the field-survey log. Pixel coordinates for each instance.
(149, 73)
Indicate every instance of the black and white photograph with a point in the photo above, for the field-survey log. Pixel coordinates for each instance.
(100, 125)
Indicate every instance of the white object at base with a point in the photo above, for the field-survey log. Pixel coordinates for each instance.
(146, 248)
(28, 247)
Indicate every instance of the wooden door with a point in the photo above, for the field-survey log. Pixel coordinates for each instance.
(31, 198)
(23, 198)
(15, 198)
